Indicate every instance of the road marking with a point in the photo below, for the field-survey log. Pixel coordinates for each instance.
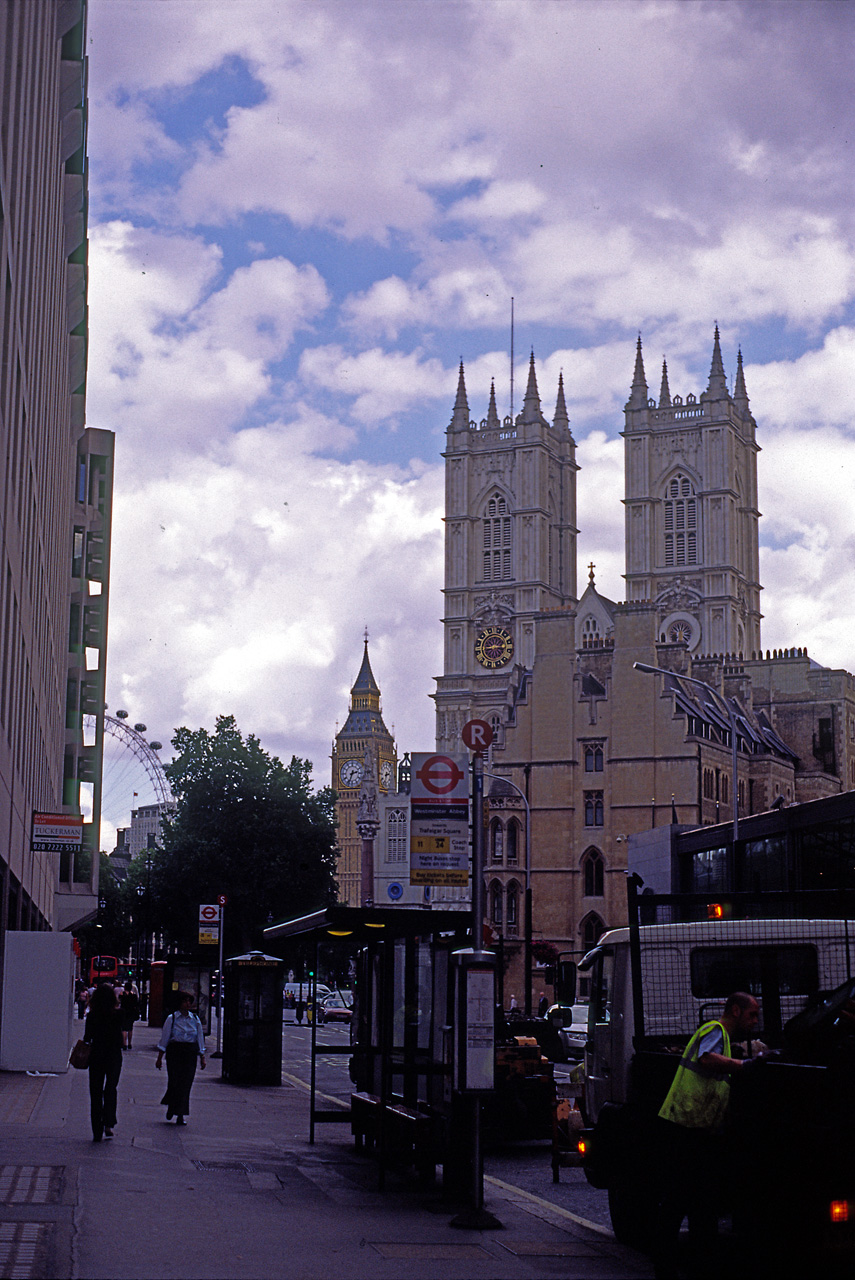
(327, 1097)
(553, 1208)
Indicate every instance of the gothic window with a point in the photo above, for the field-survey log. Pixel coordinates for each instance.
(496, 903)
(497, 851)
(681, 522)
(512, 914)
(592, 930)
(709, 784)
(498, 543)
(593, 758)
(592, 868)
(593, 808)
(496, 726)
(513, 842)
(725, 788)
(396, 835)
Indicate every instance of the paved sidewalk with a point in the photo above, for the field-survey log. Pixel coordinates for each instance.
(239, 1193)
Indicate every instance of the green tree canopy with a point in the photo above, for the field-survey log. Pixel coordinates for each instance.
(247, 826)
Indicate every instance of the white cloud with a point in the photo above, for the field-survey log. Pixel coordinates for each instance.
(172, 359)
(260, 570)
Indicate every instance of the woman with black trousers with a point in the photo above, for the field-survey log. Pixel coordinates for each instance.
(103, 1034)
(183, 1042)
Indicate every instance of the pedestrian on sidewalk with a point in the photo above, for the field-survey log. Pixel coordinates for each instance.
(103, 1032)
(130, 1006)
(183, 1041)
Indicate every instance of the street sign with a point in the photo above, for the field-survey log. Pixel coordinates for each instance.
(439, 819)
(222, 900)
(209, 924)
(477, 734)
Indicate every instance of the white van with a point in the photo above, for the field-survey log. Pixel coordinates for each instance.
(294, 991)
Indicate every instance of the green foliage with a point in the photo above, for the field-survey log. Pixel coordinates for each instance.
(110, 932)
(247, 826)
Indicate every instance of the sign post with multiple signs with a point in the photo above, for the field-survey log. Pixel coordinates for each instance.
(439, 819)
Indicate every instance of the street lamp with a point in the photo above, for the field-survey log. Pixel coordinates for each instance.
(734, 786)
(527, 925)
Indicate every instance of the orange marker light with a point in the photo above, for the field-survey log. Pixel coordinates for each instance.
(582, 1147)
(839, 1210)
(715, 911)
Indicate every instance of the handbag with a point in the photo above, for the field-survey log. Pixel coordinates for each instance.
(79, 1056)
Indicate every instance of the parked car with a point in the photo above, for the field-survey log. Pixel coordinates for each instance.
(336, 1007)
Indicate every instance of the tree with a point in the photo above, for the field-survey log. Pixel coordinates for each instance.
(246, 826)
(108, 933)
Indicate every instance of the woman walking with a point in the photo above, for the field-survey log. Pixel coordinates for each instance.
(183, 1040)
(103, 1032)
(130, 1006)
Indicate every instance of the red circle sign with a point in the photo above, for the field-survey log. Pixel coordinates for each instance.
(222, 899)
(208, 913)
(477, 734)
(440, 775)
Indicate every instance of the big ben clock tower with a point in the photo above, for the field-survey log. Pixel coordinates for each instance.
(363, 731)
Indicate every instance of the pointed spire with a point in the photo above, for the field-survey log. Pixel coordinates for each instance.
(531, 411)
(717, 387)
(493, 419)
(664, 390)
(460, 416)
(560, 419)
(740, 395)
(365, 682)
(638, 394)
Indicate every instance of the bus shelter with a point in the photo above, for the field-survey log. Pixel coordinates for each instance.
(403, 1024)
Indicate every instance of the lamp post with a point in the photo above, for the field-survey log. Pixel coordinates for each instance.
(734, 782)
(527, 923)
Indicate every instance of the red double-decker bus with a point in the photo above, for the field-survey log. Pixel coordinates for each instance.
(108, 969)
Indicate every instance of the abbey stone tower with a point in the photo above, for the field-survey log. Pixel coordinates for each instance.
(601, 751)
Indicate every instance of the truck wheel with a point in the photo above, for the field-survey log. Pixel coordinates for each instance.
(631, 1208)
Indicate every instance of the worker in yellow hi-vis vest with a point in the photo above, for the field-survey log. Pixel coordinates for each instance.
(691, 1119)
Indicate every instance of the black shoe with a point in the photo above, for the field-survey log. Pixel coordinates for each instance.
(180, 1120)
(96, 1137)
(108, 1133)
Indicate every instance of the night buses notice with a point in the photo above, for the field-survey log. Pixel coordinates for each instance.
(439, 819)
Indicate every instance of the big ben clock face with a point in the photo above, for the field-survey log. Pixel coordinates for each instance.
(350, 773)
(494, 647)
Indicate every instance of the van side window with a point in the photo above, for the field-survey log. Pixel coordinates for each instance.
(716, 971)
(602, 980)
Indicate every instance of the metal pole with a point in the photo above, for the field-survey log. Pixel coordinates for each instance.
(477, 945)
(478, 851)
(220, 986)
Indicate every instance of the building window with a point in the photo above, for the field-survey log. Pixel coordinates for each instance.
(396, 835)
(709, 784)
(592, 930)
(498, 542)
(496, 903)
(513, 906)
(681, 522)
(592, 869)
(513, 842)
(497, 841)
(593, 759)
(725, 788)
(593, 808)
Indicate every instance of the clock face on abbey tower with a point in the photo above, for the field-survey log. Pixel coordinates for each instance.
(494, 647)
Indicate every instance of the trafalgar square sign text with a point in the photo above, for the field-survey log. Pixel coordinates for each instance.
(439, 819)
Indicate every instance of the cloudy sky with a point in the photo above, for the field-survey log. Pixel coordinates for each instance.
(304, 214)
